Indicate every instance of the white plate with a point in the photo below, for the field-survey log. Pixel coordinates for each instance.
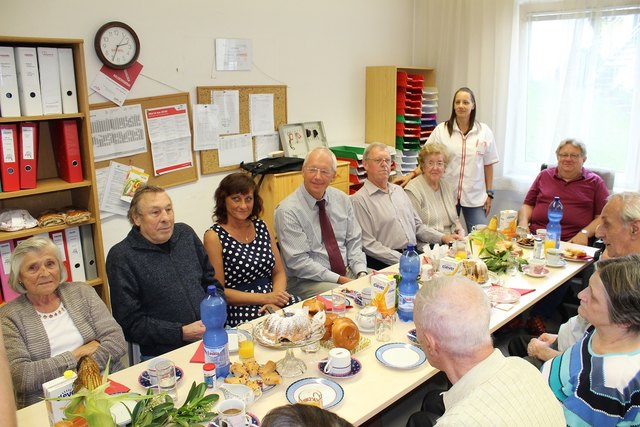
(526, 270)
(561, 264)
(583, 259)
(401, 356)
(232, 334)
(500, 295)
(332, 393)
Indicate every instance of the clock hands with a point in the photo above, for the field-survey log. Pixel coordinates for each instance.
(115, 51)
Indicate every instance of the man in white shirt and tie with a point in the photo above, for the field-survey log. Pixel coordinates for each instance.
(319, 237)
(385, 213)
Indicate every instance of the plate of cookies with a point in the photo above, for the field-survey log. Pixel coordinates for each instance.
(254, 375)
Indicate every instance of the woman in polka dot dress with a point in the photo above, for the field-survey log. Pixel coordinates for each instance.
(244, 252)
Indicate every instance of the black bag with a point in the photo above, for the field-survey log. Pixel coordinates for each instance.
(272, 165)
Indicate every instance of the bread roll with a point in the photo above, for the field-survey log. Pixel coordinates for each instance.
(345, 333)
(315, 305)
(328, 323)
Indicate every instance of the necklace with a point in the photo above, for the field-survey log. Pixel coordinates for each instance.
(53, 314)
(239, 232)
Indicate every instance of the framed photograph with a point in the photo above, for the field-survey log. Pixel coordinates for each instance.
(314, 132)
(293, 140)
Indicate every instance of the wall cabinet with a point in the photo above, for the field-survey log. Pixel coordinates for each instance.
(276, 187)
(381, 100)
(52, 192)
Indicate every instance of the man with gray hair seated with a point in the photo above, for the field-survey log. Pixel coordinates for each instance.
(388, 220)
(319, 237)
(452, 316)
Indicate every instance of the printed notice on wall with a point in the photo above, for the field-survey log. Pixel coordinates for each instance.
(117, 132)
(170, 138)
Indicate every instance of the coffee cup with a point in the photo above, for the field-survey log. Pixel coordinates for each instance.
(554, 256)
(242, 392)
(338, 362)
(152, 369)
(231, 413)
(536, 267)
(478, 227)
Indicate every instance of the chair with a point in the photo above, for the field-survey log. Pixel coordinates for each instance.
(134, 353)
(608, 176)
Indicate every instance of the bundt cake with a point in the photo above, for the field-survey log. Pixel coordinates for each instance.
(290, 327)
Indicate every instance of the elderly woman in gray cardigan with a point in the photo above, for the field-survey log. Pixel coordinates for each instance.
(53, 323)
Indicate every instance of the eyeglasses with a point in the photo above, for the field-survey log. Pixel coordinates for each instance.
(567, 155)
(380, 161)
(323, 172)
(439, 164)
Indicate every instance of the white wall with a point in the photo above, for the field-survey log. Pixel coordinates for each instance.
(319, 49)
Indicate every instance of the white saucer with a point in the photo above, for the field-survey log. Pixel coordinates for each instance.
(526, 270)
(562, 263)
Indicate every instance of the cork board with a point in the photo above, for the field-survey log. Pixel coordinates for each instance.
(209, 158)
(145, 160)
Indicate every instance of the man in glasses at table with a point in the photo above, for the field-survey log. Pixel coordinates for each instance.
(319, 237)
(583, 195)
(385, 213)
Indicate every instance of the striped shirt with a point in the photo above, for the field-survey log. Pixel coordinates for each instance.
(596, 390)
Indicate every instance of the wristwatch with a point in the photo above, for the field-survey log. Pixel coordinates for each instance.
(490, 193)
(362, 274)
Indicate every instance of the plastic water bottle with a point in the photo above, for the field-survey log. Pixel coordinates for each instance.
(409, 269)
(213, 311)
(555, 212)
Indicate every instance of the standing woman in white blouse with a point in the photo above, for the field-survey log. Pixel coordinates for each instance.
(53, 323)
(432, 197)
(473, 153)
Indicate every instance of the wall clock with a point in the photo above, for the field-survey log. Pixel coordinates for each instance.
(117, 45)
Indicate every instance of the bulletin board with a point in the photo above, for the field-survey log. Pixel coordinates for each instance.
(209, 158)
(145, 160)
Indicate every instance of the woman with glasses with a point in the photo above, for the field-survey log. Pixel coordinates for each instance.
(597, 380)
(582, 193)
(432, 197)
(243, 252)
(473, 153)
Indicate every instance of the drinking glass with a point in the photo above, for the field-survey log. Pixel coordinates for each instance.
(245, 341)
(167, 381)
(384, 327)
(338, 303)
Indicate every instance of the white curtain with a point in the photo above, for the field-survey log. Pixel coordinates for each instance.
(485, 45)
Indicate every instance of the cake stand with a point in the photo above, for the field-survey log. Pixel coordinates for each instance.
(290, 365)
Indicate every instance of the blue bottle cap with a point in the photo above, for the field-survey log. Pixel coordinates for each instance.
(212, 289)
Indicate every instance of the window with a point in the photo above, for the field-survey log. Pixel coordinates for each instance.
(581, 78)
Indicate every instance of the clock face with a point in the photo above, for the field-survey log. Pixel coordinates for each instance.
(117, 45)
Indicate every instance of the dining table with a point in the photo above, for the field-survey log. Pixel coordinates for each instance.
(377, 385)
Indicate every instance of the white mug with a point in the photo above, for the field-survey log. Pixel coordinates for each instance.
(231, 413)
(338, 362)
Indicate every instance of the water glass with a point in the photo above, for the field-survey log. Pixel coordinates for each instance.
(338, 303)
(512, 264)
(384, 327)
(167, 381)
